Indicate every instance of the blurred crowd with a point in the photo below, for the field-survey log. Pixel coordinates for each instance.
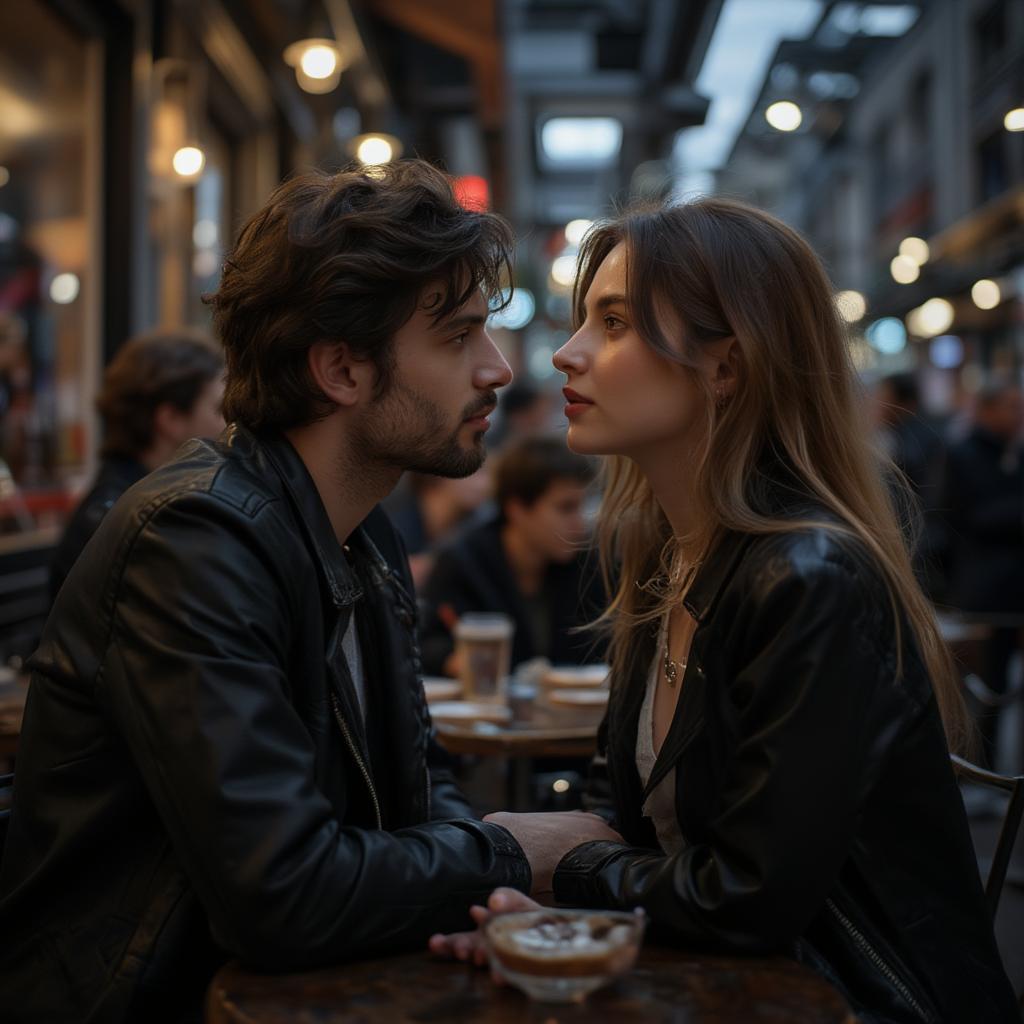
(967, 528)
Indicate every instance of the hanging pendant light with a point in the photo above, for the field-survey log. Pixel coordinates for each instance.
(317, 62)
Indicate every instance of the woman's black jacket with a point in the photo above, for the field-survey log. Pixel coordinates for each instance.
(814, 790)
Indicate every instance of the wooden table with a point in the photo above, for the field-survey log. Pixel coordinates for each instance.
(518, 742)
(665, 986)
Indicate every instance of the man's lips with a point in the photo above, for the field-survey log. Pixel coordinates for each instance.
(480, 415)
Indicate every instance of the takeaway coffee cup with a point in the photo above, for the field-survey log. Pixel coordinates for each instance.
(483, 642)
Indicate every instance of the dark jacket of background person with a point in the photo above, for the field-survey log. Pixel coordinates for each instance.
(984, 502)
(115, 476)
(472, 574)
(814, 792)
(159, 390)
(195, 781)
(915, 444)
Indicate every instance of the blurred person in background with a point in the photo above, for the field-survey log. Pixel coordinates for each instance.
(158, 391)
(426, 510)
(526, 561)
(983, 500)
(916, 448)
(908, 438)
(524, 410)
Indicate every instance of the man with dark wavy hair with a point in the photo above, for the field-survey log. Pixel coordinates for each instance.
(226, 749)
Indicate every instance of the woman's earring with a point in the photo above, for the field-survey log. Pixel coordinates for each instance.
(719, 394)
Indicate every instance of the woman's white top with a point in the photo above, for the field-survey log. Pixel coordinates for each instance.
(660, 805)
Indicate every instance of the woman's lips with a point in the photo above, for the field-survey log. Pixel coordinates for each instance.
(576, 403)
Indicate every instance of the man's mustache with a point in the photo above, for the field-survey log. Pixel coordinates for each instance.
(484, 407)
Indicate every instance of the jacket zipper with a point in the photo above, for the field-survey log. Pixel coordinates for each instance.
(343, 725)
(426, 771)
(871, 953)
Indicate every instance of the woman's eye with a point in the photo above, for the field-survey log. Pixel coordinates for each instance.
(613, 323)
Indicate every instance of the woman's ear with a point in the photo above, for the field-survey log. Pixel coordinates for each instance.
(728, 359)
(344, 379)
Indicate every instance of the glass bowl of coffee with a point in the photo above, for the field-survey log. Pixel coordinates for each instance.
(560, 956)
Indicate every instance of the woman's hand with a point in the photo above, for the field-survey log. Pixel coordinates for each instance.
(470, 946)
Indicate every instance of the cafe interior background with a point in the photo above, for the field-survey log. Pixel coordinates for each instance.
(137, 135)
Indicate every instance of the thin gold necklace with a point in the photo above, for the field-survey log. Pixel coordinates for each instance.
(674, 670)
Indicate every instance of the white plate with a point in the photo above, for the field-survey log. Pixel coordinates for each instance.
(576, 675)
(465, 712)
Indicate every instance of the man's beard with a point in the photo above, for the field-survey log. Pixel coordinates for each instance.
(407, 431)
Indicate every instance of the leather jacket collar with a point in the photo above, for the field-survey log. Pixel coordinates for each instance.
(342, 583)
(714, 573)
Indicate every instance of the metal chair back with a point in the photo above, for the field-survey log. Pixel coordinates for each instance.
(1014, 785)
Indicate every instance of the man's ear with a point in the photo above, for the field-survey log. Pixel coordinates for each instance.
(513, 509)
(167, 423)
(344, 379)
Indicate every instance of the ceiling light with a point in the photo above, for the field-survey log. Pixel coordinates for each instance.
(986, 294)
(784, 116)
(904, 270)
(581, 141)
(851, 305)
(317, 63)
(563, 270)
(376, 148)
(188, 161)
(934, 317)
(915, 249)
(1014, 120)
(576, 229)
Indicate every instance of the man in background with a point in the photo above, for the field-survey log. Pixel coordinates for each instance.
(984, 503)
(527, 561)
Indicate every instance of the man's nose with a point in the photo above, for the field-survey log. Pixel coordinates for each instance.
(494, 372)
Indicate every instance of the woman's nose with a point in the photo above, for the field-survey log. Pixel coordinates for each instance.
(571, 357)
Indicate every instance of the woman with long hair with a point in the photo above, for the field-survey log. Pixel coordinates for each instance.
(775, 755)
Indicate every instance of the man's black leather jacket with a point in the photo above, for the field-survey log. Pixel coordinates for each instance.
(814, 791)
(195, 780)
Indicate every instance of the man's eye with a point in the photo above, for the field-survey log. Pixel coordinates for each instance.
(460, 339)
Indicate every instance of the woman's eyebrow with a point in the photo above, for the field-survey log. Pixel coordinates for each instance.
(609, 300)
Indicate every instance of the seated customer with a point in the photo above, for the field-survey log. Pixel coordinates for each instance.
(226, 751)
(158, 391)
(526, 561)
(427, 510)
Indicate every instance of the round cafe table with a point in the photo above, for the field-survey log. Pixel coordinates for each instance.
(518, 742)
(665, 986)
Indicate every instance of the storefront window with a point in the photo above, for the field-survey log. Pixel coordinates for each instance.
(48, 264)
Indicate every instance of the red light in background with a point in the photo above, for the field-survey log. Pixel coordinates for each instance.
(473, 192)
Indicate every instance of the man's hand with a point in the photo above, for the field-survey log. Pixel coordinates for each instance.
(470, 946)
(547, 838)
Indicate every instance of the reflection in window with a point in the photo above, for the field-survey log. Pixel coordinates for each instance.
(45, 264)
